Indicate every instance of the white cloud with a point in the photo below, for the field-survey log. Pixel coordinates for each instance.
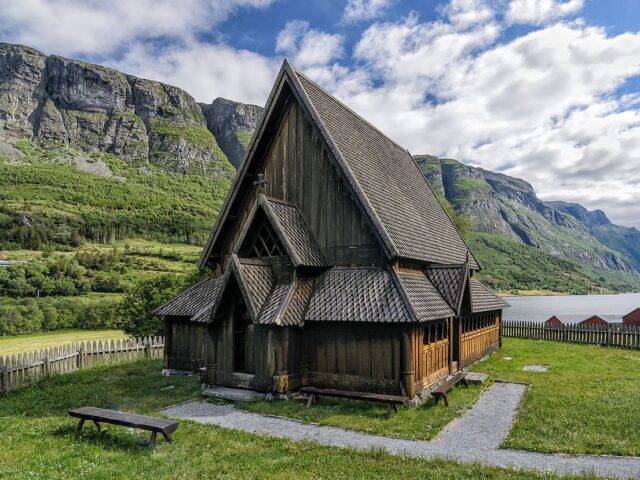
(361, 10)
(307, 47)
(154, 39)
(204, 70)
(96, 27)
(542, 107)
(539, 12)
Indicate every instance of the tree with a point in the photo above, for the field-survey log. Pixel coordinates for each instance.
(140, 300)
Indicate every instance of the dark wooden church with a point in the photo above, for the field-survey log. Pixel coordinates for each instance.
(335, 264)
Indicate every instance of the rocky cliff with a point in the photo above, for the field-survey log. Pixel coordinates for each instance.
(499, 204)
(58, 103)
(232, 124)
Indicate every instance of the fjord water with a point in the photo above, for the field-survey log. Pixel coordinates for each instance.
(540, 308)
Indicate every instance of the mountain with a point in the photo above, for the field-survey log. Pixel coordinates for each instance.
(88, 153)
(232, 124)
(506, 211)
(68, 106)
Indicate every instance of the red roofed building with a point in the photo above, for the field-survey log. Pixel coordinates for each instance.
(553, 321)
(632, 318)
(594, 321)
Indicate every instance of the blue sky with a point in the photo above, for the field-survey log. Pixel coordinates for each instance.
(545, 90)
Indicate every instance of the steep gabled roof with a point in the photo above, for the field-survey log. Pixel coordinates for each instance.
(255, 281)
(450, 282)
(292, 230)
(386, 182)
(191, 301)
(424, 298)
(483, 299)
(408, 215)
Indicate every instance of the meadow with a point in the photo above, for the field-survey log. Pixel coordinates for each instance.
(38, 439)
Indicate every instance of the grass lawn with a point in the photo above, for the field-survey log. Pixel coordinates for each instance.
(10, 345)
(422, 423)
(38, 439)
(588, 401)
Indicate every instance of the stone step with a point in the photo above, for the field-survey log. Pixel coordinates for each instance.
(233, 394)
(477, 377)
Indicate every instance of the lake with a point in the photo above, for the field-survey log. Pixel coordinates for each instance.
(571, 308)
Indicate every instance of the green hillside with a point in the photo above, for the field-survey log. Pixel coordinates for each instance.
(46, 202)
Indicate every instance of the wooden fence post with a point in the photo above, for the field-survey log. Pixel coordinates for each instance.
(47, 367)
(5, 375)
(81, 356)
(147, 347)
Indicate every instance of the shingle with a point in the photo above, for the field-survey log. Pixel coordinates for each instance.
(298, 234)
(448, 281)
(356, 294)
(193, 299)
(484, 299)
(425, 300)
(274, 303)
(259, 280)
(410, 213)
(287, 303)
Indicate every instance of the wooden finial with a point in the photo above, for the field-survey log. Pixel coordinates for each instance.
(260, 183)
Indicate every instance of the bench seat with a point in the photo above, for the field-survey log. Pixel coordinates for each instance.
(132, 420)
(392, 401)
(447, 386)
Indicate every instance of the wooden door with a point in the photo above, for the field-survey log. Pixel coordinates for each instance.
(243, 341)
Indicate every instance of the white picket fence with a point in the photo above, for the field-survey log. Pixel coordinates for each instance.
(21, 370)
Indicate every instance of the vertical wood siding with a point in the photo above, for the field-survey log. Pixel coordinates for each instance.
(299, 171)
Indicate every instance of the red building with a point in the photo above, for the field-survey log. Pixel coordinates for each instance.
(553, 321)
(632, 318)
(594, 321)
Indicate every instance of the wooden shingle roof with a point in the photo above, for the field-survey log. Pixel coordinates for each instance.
(356, 294)
(193, 300)
(483, 299)
(385, 180)
(426, 301)
(406, 212)
(297, 237)
(450, 282)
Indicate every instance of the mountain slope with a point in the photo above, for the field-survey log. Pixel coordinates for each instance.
(60, 103)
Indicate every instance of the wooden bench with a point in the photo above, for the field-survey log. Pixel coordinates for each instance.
(446, 387)
(392, 401)
(101, 415)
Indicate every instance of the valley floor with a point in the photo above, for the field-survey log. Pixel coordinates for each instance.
(13, 345)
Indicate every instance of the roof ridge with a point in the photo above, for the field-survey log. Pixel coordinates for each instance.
(384, 135)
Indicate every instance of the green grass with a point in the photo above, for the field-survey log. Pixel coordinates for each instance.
(422, 423)
(10, 345)
(588, 401)
(67, 207)
(38, 440)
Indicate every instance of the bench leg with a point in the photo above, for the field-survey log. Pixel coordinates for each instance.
(437, 399)
(97, 424)
(446, 400)
(388, 410)
(79, 426)
(309, 400)
(395, 408)
(466, 382)
(167, 437)
(152, 440)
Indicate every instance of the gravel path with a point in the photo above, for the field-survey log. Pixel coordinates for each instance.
(475, 437)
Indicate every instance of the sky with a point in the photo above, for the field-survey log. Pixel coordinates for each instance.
(544, 90)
